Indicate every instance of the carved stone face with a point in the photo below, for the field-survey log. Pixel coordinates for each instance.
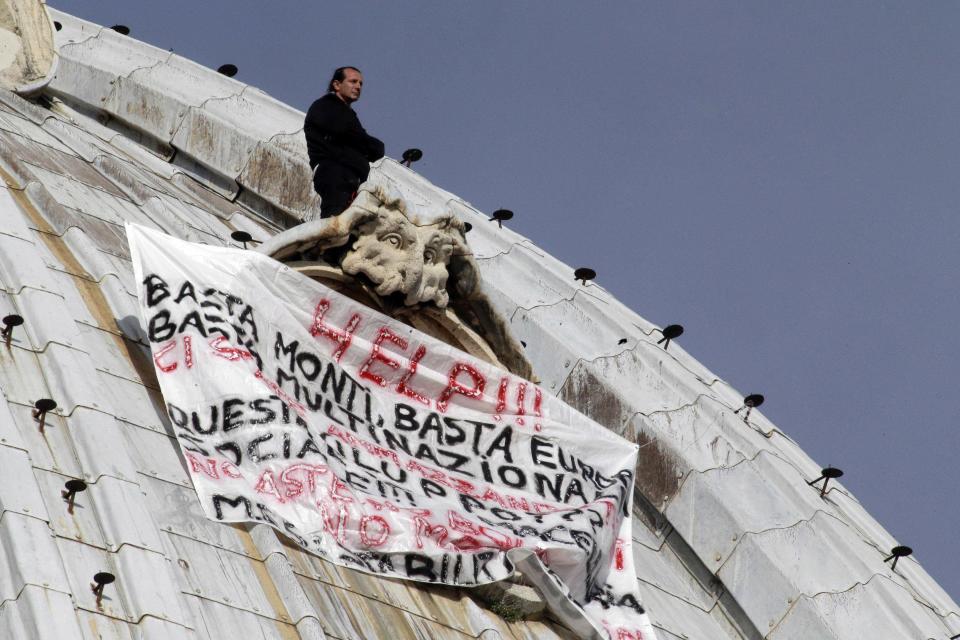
(416, 255)
(398, 255)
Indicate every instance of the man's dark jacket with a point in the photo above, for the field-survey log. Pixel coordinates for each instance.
(338, 144)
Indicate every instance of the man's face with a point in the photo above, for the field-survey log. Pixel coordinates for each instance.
(349, 88)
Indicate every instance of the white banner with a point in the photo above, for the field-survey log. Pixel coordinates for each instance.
(378, 447)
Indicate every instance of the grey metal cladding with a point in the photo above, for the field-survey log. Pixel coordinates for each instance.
(723, 505)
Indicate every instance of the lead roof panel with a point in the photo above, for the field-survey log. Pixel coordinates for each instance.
(39, 612)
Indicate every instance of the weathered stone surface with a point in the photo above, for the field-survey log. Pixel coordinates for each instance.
(27, 54)
(390, 248)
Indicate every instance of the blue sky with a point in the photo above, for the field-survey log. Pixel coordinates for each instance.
(780, 178)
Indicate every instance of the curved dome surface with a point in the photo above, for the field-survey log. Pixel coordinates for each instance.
(731, 540)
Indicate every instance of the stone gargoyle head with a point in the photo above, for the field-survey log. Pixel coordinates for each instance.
(416, 261)
(398, 252)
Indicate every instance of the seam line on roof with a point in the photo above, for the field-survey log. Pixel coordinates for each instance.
(89, 278)
(203, 103)
(43, 349)
(760, 450)
(88, 478)
(4, 443)
(389, 604)
(72, 225)
(649, 345)
(528, 244)
(274, 137)
(71, 142)
(915, 595)
(127, 378)
(80, 229)
(696, 400)
(839, 516)
(679, 632)
(563, 299)
(662, 538)
(29, 286)
(258, 614)
(754, 457)
(24, 588)
(76, 44)
(16, 292)
(83, 273)
(17, 186)
(686, 405)
(10, 235)
(73, 178)
(23, 107)
(184, 625)
(807, 520)
(87, 36)
(103, 251)
(524, 243)
(146, 67)
(649, 334)
(112, 332)
(713, 599)
(59, 410)
(787, 613)
(33, 141)
(633, 349)
(166, 56)
(864, 584)
(498, 254)
(170, 531)
(35, 226)
(745, 460)
(284, 613)
(46, 383)
(182, 485)
(159, 430)
(110, 547)
(130, 620)
(25, 515)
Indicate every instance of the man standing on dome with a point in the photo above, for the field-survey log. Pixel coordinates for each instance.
(340, 149)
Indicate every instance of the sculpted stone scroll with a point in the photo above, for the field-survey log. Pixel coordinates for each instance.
(419, 270)
(27, 54)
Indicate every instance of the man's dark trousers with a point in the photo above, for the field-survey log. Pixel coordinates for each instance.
(336, 189)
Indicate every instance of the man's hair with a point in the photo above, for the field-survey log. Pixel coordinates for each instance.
(338, 76)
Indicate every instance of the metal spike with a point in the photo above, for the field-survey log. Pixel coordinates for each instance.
(826, 474)
(749, 403)
(410, 156)
(70, 491)
(899, 551)
(40, 409)
(501, 215)
(100, 580)
(670, 332)
(583, 274)
(242, 236)
(9, 322)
